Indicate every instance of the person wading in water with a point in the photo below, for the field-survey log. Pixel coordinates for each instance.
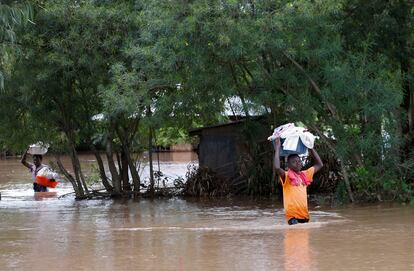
(34, 169)
(295, 182)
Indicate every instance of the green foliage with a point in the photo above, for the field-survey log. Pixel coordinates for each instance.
(372, 185)
(366, 182)
(341, 194)
(171, 135)
(13, 14)
(63, 64)
(342, 68)
(291, 58)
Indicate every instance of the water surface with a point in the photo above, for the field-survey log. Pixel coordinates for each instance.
(176, 234)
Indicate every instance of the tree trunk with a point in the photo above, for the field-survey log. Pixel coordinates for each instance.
(347, 183)
(101, 167)
(75, 170)
(343, 169)
(134, 173)
(118, 161)
(151, 168)
(126, 136)
(78, 169)
(76, 187)
(408, 106)
(80, 179)
(111, 163)
(125, 172)
(239, 87)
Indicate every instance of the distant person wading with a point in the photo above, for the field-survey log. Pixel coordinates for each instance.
(34, 169)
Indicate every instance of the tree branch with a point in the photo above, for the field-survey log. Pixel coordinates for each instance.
(330, 107)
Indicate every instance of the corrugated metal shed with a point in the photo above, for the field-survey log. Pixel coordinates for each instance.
(221, 146)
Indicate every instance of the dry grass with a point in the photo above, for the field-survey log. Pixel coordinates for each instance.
(203, 182)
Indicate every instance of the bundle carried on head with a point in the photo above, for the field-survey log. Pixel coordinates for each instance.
(295, 140)
(39, 148)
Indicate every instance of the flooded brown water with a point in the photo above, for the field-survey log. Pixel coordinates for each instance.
(177, 234)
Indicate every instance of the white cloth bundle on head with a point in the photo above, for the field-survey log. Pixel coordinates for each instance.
(38, 149)
(292, 134)
(280, 130)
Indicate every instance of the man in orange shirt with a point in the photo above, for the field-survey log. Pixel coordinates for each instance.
(294, 182)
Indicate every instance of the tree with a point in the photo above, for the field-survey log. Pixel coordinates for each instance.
(143, 66)
(12, 14)
(387, 27)
(67, 57)
(290, 58)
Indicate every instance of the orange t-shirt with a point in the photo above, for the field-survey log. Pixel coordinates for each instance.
(295, 200)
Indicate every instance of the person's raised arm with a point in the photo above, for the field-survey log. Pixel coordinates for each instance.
(279, 170)
(23, 160)
(319, 164)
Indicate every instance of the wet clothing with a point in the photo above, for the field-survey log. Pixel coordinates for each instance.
(294, 221)
(298, 178)
(39, 188)
(295, 200)
(35, 170)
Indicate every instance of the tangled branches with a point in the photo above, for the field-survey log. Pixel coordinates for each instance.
(203, 182)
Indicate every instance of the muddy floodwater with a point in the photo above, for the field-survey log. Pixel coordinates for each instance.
(52, 233)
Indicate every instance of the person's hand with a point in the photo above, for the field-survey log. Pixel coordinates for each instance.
(277, 141)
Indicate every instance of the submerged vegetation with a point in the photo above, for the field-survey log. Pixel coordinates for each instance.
(120, 76)
(203, 182)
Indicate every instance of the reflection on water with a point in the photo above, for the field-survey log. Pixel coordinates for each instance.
(142, 235)
(297, 253)
(179, 234)
(176, 234)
